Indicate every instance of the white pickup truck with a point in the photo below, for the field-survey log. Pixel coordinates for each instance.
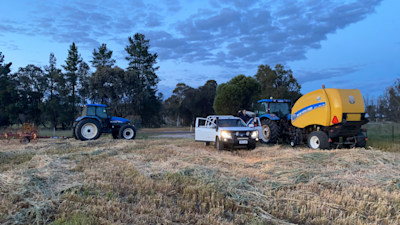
(225, 131)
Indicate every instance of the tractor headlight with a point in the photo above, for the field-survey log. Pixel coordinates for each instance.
(226, 134)
(254, 134)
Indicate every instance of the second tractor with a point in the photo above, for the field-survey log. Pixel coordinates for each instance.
(95, 120)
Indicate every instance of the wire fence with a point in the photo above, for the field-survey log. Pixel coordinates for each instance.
(384, 135)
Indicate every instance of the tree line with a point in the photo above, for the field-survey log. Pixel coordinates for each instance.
(52, 96)
(241, 92)
(387, 106)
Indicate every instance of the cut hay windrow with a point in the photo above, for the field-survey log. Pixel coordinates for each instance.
(180, 181)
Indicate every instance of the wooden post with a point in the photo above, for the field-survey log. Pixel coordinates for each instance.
(393, 134)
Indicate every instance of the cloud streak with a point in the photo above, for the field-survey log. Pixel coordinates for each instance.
(239, 33)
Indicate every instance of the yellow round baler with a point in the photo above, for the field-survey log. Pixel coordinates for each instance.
(330, 116)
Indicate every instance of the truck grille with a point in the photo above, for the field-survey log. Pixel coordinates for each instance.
(242, 133)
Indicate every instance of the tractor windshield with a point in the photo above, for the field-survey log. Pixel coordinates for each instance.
(278, 108)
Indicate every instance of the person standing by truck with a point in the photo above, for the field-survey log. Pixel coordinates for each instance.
(243, 115)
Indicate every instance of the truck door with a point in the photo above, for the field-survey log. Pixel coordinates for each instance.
(256, 122)
(203, 132)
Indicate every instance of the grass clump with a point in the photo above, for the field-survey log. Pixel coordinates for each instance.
(76, 219)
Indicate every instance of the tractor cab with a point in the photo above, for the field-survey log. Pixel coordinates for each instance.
(274, 109)
(97, 111)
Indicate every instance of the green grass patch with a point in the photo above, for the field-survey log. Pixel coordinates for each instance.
(76, 219)
(10, 160)
(45, 132)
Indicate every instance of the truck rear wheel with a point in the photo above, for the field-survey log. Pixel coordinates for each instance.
(88, 129)
(270, 132)
(318, 140)
(127, 132)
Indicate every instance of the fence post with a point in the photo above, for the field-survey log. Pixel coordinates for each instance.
(393, 134)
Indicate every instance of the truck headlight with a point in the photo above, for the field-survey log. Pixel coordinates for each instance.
(254, 134)
(226, 134)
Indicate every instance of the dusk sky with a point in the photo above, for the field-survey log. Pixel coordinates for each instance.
(342, 44)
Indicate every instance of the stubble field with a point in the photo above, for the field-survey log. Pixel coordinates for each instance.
(176, 180)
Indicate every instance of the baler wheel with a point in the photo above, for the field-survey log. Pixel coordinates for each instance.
(318, 140)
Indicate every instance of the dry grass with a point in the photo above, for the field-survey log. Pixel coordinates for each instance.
(180, 181)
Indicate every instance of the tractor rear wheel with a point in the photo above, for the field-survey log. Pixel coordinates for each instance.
(88, 129)
(74, 132)
(127, 132)
(270, 132)
(318, 140)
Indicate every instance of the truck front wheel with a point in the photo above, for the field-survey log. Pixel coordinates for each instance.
(88, 129)
(251, 146)
(269, 131)
(127, 132)
(318, 140)
(218, 144)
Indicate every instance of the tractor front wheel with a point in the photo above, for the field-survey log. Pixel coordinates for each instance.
(270, 132)
(127, 132)
(89, 129)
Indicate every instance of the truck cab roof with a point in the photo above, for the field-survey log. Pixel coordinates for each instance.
(222, 116)
(97, 105)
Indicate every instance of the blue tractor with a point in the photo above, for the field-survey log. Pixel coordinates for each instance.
(94, 121)
(274, 117)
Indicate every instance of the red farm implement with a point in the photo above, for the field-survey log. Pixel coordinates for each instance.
(25, 134)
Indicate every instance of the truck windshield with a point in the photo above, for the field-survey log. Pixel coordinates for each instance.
(231, 123)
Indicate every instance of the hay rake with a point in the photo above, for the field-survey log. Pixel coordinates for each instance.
(26, 134)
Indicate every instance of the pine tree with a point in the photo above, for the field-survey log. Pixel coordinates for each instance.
(141, 80)
(71, 67)
(102, 57)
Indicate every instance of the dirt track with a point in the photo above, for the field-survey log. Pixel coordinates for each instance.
(180, 181)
